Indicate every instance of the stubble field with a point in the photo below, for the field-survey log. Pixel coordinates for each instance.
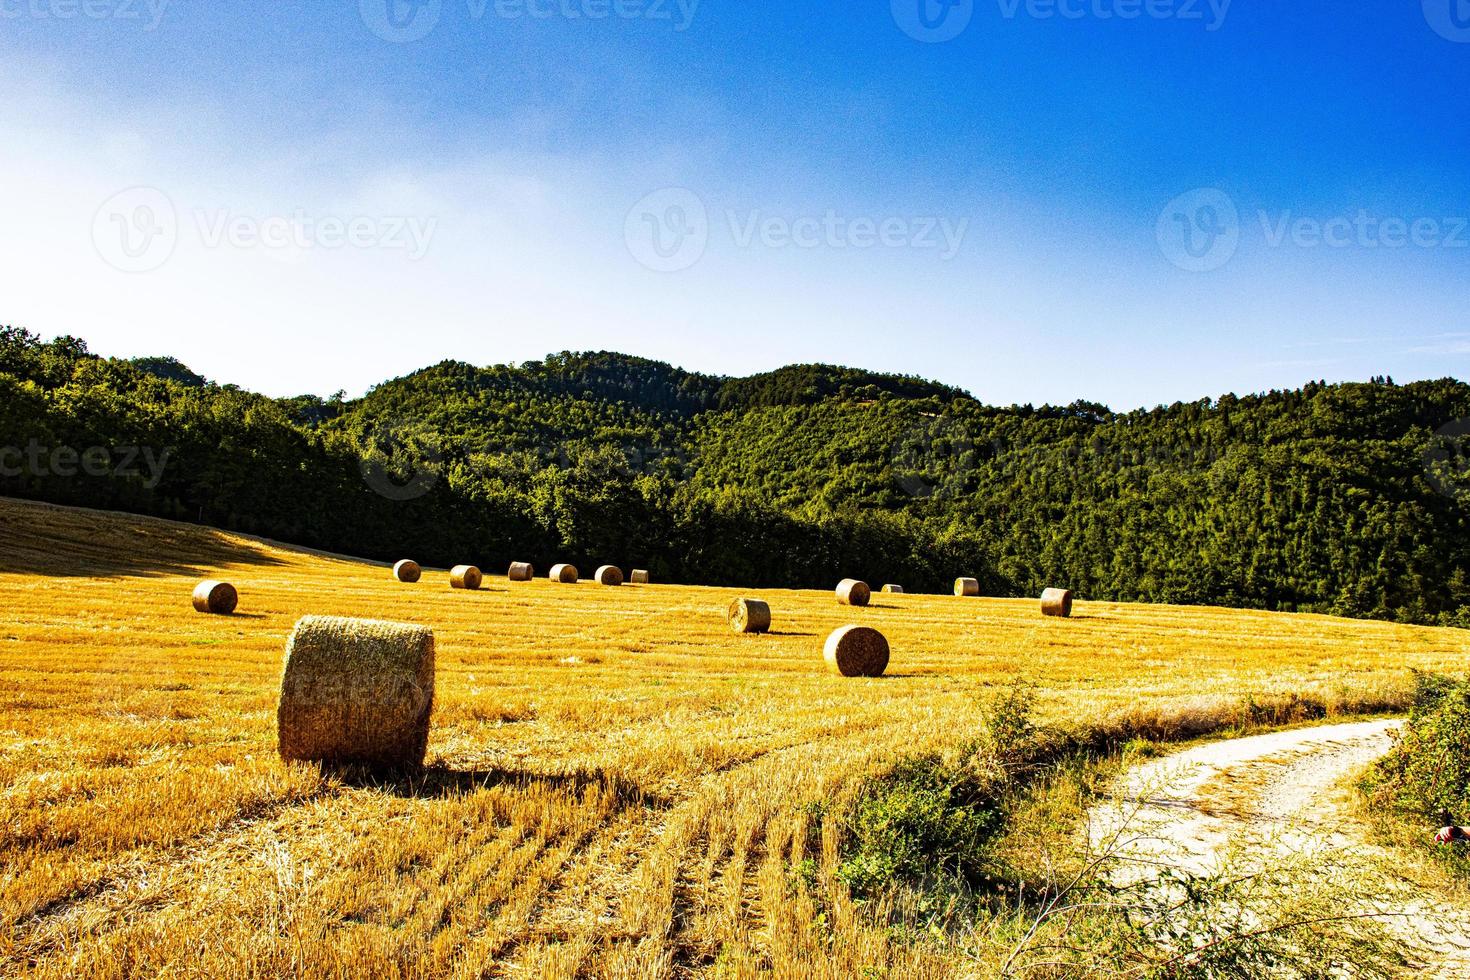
(619, 786)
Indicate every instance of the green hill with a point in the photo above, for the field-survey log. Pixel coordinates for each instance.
(1316, 499)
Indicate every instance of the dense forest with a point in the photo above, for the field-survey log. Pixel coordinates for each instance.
(1351, 499)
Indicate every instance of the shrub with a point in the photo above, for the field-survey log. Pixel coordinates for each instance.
(1428, 770)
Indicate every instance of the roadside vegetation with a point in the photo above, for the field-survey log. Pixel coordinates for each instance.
(1423, 784)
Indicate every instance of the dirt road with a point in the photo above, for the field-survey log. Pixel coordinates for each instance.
(1270, 798)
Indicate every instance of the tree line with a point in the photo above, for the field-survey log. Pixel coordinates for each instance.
(1329, 498)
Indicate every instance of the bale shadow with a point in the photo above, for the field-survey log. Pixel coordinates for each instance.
(781, 633)
(440, 782)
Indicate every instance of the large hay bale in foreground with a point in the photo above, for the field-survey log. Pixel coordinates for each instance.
(521, 571)
(407, 571)
(215, 598)
(851, 592)
(465, 577)
(565, 574)
(639, 577)
(893, 589)
(750, 616)
(609, 575)
(356, 692)
(1056, 602)
(967, 587)
(857, 651)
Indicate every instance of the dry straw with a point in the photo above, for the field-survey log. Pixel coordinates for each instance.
(967, 587)
(465, 577)
(750, 616)
(854, 593)
(407, 571)
(609, 575)
(639, 577)
(857, 651)
(565, 574)
(215, 598)
(1056, 602)
(356, 692)
(521, 571)
(893, 589)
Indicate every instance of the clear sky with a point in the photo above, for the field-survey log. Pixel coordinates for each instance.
(1128, 201)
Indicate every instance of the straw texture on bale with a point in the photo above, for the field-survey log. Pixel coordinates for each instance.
(609, 575)
(565, 574)
(521, 571)
(407, 571)
(854, 593)
(1056, 602)
(215, 598)
(750, 616)
(465, 577)
(967, 587)
(639, 577)
(893, 589)
(356, 692)
(857, 651)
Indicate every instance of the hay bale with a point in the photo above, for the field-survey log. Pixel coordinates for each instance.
(893, 589)
(857, 651)
(851, 592)
(967, 587)
(215, 598)
(750, 616)
(465, 577)
(609, 575)
(1056, 602)
(356, 692)
(639, 577)
(565, 574)
(407, 571)
(521, 571)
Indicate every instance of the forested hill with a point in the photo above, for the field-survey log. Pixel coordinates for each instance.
(1331, 498)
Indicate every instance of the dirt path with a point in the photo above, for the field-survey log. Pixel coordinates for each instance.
(1270, 797)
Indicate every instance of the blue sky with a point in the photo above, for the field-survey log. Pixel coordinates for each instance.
(1129, 201)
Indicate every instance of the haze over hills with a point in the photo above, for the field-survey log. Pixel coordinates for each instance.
(1329, 498)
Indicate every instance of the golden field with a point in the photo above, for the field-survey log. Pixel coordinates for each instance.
(619, 785)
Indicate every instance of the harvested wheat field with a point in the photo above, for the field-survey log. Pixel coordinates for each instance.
(618, 784)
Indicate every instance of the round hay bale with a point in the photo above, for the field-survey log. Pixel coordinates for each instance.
(854, 593)
(893, 589)
(465, 577)
(857, 651)
(565, 574)
(967, 587)
(750, 616)
(639, 577)
(1056, 602)
(356, 692)
(521, 571)
(215, 598)
(609, 575)
(407, 571)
